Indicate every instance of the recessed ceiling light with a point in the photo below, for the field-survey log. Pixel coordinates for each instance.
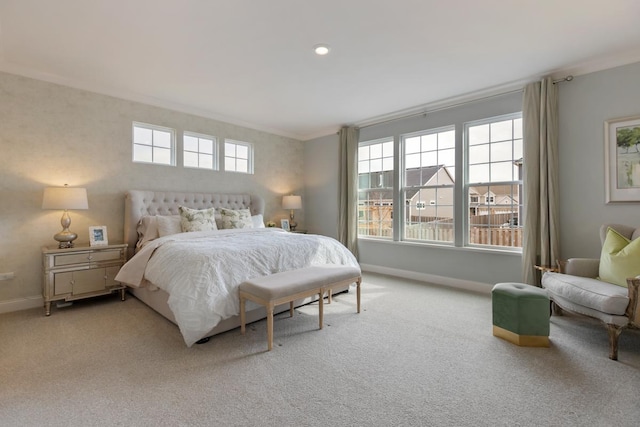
(321, 49)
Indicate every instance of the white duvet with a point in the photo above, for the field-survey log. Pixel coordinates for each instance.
(201, 271)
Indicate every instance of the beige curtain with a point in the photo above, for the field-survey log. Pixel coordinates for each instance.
(348, 203)
(541, 230)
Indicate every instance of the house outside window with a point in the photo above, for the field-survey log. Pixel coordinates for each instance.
(429, 181)
(494, 153)
(153, 144)
(375, 188)
(238, 156)
(199, 151)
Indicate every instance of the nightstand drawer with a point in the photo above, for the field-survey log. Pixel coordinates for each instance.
(85, 257)
(80, 282)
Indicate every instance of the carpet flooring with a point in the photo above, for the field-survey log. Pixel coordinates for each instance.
(417, 355)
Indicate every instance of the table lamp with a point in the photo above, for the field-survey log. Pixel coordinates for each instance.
(292, 202)
(65, 198)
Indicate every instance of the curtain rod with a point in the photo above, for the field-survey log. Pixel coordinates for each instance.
(564, 79)
(427, 111)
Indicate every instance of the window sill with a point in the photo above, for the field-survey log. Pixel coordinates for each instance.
(430, 245)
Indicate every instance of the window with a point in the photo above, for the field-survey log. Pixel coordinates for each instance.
(422, 202)
(429, 175)
(199, 151)
(153, 144)
(375, 188)
(238, 156)
(494, 153)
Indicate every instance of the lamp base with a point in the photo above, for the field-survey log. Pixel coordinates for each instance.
(66, 238)
(293, 225)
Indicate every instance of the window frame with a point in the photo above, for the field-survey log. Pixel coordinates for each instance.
(250, 155)
(467, 185)
(215, 157)
(152, 128)
(367, 219)
(462, 203)
(403, 188)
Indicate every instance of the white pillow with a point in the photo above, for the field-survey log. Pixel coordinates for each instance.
(258, 221)
(168, 225)
(147, 230)
(236, 219)
(197, 219)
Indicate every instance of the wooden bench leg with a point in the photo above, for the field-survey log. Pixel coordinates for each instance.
(291, 309)
(242, 315)
(358, 293)
(329, 296)
(321, 307)
(270, 326)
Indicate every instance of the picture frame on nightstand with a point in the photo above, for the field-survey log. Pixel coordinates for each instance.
(284, 224)
(98, 235)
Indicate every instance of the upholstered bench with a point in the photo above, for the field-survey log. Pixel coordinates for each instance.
(292, 285)
(521, 314)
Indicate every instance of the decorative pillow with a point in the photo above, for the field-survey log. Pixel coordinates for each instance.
(197, 219)
(168, 225)
(258, 221)
(236, 219)
(620, 258)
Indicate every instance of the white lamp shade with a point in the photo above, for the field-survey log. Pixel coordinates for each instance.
(65, 198)
(292, 202)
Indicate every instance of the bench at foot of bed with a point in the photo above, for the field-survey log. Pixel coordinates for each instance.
(292, 285)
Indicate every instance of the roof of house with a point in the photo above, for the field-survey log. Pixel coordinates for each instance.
(416, 177)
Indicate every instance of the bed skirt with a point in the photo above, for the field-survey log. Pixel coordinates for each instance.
(157, 300)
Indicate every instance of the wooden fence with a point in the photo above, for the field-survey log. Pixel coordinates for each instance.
(494, 236)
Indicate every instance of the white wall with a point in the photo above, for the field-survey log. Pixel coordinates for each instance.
(321, 180)
(51, 135)
(585, 104)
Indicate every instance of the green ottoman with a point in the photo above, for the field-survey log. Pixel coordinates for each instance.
(521, 314)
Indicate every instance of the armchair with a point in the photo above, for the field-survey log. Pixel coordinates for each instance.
(577, 289)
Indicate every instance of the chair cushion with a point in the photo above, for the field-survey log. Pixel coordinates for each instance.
(592, 293)
(620, 258)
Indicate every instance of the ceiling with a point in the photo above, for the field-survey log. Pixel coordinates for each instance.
(251, 63)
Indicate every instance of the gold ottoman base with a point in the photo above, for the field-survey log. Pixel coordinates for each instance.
(521, 340)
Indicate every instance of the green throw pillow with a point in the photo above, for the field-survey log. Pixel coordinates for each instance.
(620, 258)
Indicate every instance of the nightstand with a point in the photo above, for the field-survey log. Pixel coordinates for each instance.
(81, 272)
(299, 231)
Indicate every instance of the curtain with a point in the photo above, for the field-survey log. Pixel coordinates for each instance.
(348, 192)
(541, 230)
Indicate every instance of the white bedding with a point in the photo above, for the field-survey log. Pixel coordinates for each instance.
(201, 271)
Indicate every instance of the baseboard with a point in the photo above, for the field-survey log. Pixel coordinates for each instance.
(451, 282)
(21, 304)
(468, 285)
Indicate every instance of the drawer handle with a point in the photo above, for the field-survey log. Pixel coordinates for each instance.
(90, 257)
(73, 282)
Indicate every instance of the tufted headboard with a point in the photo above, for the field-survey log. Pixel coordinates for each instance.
(139, 203)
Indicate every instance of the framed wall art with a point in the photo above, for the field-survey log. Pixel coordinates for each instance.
(622, 160)
(98, 235)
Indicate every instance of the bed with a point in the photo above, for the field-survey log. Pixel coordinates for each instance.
(192, 278)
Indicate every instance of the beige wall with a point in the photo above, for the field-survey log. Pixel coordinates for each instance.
(51, 135)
